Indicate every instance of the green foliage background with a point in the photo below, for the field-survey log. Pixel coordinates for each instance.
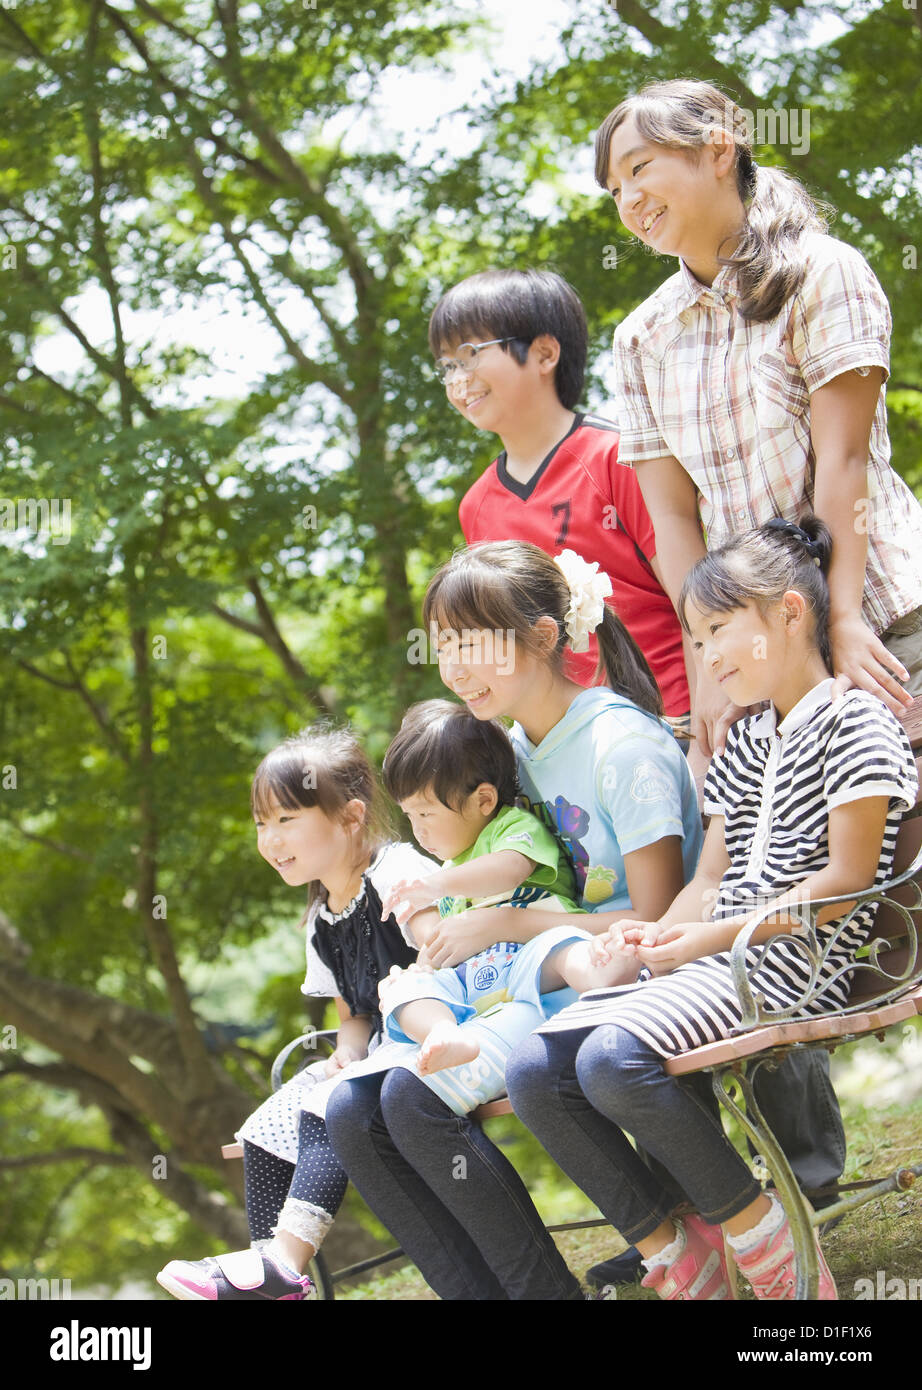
(246, 558)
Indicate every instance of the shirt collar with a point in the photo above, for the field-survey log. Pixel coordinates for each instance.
(765, 725)
(692, 291)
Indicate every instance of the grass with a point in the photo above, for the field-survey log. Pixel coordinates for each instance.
(883, 1235)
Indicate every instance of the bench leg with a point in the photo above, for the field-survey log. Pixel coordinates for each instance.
(756, 1128)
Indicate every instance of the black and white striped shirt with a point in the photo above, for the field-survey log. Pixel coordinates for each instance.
(775, 786)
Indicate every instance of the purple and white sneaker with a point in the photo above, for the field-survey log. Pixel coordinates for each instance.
(246, 1274)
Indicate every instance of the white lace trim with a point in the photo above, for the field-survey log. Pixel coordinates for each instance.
(304, 1220)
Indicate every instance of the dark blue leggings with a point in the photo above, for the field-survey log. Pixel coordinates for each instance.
(317, 1177)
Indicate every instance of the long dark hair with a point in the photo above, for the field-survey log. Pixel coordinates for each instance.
(769, 260)
(506, 586)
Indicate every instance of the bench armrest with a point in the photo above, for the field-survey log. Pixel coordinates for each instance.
(308, 1041)
(815, 951)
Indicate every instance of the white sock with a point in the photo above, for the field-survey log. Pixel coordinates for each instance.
(764, 1228)
(669, 1252)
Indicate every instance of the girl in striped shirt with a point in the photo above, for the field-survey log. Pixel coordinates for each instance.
(804, 804)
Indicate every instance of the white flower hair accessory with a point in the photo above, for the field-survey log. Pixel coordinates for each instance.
(588, 592)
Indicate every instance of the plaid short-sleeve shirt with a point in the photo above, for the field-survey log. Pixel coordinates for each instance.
(730, 399)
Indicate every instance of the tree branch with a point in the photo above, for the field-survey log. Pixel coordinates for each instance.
(314, 371)
(56, 845)
(95, 1157)
(276, 642)
(106, 727)
(100, 359)
(100, 246)
(257, 167)
(243, 624)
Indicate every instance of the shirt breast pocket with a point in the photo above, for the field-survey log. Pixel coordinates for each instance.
(780, 391)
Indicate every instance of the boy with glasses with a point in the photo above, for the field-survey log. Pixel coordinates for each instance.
(510, 346)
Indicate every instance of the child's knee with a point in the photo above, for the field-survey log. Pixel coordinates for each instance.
(613, 1067)
(405, 1101)
(530, 1074)
(348, 1114)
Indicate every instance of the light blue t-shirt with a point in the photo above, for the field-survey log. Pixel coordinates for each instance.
(609, 779)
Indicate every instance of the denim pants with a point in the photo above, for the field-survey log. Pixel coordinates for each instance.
(456, 1205)
(582, 1092)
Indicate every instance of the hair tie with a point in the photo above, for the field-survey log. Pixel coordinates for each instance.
(748, 168)
(588, 592)
(790, 528)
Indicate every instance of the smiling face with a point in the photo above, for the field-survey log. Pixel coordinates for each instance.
(742, 650)
(442, 831)
(304, 845)
(680, 202)
(498, 390)
(489, 671)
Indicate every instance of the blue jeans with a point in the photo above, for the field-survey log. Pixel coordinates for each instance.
(455, 1204)
(581, 1092)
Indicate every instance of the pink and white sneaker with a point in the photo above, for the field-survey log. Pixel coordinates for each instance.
(244, 1274)
(771, 1267)
(700, 1271)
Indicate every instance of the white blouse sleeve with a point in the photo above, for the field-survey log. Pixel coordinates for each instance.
(395, 862)
(319, 980)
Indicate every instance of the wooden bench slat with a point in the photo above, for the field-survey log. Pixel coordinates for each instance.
(820, 1029)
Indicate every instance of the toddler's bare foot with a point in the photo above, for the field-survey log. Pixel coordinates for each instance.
(446, 1046)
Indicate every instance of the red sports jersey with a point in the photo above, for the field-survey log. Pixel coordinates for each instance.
(581, 498)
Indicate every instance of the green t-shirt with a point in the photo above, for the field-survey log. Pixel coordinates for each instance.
(552, 876)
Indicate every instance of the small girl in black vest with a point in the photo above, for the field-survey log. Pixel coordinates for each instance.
(315, 803)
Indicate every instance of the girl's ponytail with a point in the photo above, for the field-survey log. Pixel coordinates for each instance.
(624, 665)
(769, 260)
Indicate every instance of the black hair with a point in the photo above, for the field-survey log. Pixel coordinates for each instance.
(521, 305)
(760, 566)
(444, 748)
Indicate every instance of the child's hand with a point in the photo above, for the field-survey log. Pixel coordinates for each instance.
(342, 1057)
(423, 962)
(408, 897)
(681, 943)
(622, 938)
(607, 943)
(459, 937)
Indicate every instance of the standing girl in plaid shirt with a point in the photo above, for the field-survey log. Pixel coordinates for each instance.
(750, 384)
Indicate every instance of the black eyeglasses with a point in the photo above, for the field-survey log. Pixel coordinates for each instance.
(465, 358)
